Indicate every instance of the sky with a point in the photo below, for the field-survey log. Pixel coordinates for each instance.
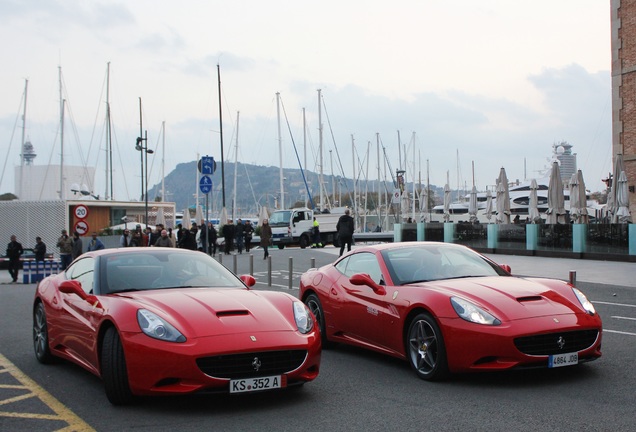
(441, 85)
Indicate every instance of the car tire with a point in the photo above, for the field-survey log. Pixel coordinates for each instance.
(41, 335)
(303, 242)
(425, 348)
(313, 303)
(281, 246)
(114, 371)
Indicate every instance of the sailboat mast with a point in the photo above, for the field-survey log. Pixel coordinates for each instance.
(163, 161)
(218, 69)
(26, 87)
(109, 146)
(321, 179)
(377, 142)
(235, 164)
(353, 151)
(62, 104)
(280, 155)
(305, 154)
(413, 205)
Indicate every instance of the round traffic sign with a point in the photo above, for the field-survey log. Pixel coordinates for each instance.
(81, 227)
(81, 211)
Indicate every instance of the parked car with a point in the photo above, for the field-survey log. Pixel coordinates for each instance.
(445, 308)
(157, 321)
(28, 255)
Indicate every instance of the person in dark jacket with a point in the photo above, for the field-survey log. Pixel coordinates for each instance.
(39, 249)
(228, 234)
(78, 247)
(266, 237)
(239, 234)
(248, 231)
(345, 228)
(14, 251)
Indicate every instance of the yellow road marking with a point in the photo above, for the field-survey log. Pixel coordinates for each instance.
(61, 412)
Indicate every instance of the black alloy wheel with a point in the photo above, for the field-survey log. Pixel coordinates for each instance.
(425, 349)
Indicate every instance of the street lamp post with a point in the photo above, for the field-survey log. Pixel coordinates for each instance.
(142, 147)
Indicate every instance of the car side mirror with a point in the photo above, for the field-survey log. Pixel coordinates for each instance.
(248, 280)
(74, 287)
(506, 267)
(363, 279)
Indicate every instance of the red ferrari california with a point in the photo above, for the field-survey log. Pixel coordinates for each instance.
(445, 308)
(157, 321)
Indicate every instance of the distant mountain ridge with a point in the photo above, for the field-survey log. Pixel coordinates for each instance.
(258, 185)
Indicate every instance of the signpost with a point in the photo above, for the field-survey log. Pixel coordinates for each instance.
(81, 227)
(206, 166)
(205, 184)
(81, 211)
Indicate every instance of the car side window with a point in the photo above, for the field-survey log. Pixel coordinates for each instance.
(83, 272)
(364, 262)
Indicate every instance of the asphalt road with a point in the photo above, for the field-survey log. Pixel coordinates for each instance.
(356, 389)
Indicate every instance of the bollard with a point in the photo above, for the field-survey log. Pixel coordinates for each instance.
(234, 265)
(269, 271)
(312, 263)
(252, 264)
(291, 272)
(573, 277)
(26, 272)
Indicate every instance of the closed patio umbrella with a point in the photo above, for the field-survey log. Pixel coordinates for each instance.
(556, 199)
(622, 200)
(447, 200)
(584, 217)
(472, 205)
(503, 198)
(489, 210)
(575, 204)
(533, 207)
(612, 202)
(424, 205)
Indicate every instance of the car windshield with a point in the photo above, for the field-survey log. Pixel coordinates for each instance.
(164, 268)
(280, 218)
(428, 262)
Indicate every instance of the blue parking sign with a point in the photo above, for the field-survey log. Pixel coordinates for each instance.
(205, 184)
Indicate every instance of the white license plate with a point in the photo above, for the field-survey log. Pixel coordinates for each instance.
(255, 384)
(560, 360)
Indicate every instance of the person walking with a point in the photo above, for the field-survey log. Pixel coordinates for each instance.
(65, 243)
(345, 228)
(78, 247)
(266, 237)
(248, 231)
(228, 235)
(203, 236)
(95, 243)
(213, 236)
(39, 249)
(316, 242)
(239, 234)
(14, 251)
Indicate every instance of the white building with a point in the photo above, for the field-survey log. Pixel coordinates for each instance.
(42, 182)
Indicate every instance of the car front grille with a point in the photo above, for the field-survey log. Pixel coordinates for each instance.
(556, 343)
(254, 364)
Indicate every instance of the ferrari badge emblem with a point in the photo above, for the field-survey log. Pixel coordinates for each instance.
(253, 338)
(256, 364)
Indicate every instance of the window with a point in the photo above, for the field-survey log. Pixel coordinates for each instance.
(83, 272)
(364, 262)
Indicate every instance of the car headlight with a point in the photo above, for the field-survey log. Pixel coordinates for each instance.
(304, 320)
(473, 313)
(158, 328)
(587, 305)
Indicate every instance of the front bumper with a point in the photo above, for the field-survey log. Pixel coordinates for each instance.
(159, 368)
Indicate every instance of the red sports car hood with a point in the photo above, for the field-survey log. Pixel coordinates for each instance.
(512, 298)
(211, 312)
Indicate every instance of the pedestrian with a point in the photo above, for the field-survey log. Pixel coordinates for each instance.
(124, 240)
(39, 249)
(316, 242)
(188, 240)
(239, 234)
(164, 240)
(248, 231)
(228, 235)
(14, 251)
(77, 248)
(137, 237)
(202, 244)
(213, 236)
(266, 237)
(65, 243)
(95, 243)
(345, 228)
(172, 237)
